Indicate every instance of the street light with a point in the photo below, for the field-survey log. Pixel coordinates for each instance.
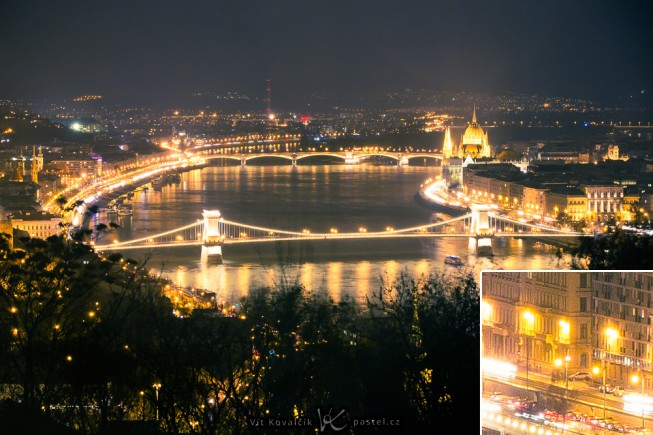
(611, 334)
(558, 363)
(142, 394)
(635, 379)
(567, 359)
(596, 370)
(156, 387)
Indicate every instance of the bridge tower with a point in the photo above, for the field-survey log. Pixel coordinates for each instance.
(402, 160)
(480, 230)
(212, 239)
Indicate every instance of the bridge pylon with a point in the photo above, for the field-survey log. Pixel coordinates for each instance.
(480, 229)
(402, 160)
(212, 239)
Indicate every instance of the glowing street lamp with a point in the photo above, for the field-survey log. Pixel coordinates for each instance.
(559, 362)
(156, 387)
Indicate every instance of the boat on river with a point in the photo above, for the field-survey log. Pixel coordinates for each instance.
(453, 260)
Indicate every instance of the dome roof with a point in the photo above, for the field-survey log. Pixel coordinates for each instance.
(472, 132)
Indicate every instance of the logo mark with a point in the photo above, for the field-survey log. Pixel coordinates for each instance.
(327, 420)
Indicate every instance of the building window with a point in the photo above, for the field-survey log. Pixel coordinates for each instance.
(583, 360)
(583, 331)
(583, 305)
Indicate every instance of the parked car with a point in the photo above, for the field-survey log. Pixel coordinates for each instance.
(618, 391)
(581, 376)
(607, 387)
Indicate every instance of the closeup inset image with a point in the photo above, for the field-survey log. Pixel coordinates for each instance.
(566, 352)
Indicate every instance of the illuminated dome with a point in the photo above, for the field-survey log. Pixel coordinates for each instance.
(474, 142)
(474, 134)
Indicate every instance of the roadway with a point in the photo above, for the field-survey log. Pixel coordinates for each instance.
(582, 398)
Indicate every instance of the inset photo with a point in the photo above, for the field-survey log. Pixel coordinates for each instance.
(566, 352)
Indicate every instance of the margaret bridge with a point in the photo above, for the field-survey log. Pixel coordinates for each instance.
(349, 157)
(213, 232)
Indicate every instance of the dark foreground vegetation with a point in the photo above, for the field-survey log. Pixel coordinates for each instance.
(615, 250)
(90, 344)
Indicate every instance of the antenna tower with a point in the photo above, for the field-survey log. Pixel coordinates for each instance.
(268, 100)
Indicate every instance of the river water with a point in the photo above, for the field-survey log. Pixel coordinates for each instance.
(318, 198)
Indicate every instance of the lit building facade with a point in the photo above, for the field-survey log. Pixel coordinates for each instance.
(601, 320)
(38, 224)
(621, 333)
(571, 201)
(604, 202)
(535, 318)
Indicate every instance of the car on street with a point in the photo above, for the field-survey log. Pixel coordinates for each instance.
(607, 387)
(581, 376)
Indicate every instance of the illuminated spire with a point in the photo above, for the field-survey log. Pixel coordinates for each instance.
(21, 163)
(447, 146)
(474, 115)
(40, 158)
(34, 168)
(16, 175)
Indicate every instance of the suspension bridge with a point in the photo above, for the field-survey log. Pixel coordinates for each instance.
(214, 231)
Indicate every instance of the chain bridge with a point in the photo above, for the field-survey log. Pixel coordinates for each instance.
(214, 231)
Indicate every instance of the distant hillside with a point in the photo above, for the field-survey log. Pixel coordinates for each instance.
(25, 129)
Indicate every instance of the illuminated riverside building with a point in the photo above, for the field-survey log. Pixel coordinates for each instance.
(602, 320)
(473, 142)
(533, 319)
(38, 224)
(568, 200)
(72, 171)
(504, 185)
(604, 202)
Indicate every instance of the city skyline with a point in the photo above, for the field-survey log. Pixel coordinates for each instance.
(361, 49)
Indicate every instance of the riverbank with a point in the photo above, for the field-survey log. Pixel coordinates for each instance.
(442, 206)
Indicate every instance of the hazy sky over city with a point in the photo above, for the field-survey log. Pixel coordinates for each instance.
(162, 49)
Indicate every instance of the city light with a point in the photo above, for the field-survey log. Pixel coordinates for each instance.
(497, 368)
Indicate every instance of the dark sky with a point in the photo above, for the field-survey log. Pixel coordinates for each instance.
(162, 49)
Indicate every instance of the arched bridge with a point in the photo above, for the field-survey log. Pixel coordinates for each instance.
(348, 157)
(213, 232)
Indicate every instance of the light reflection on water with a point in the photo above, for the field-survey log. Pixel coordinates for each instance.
(318, 198)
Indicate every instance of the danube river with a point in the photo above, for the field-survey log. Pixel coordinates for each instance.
(317, 198)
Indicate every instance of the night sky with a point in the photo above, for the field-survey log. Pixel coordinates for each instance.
(157, 50)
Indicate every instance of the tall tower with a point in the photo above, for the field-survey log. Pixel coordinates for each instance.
(21, 163)
(16, 175)
(447, 146)
(40, 158)
(268, 101)
(34, 168)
